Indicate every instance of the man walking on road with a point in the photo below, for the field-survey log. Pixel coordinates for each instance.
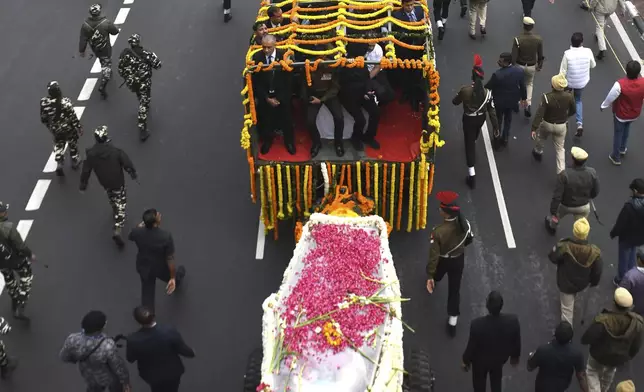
(601, 9)
(15, 265)
(97, 356)
(629, 229)
(96, 31)
(155, 257)
(614, 337)
(633, 281)
(493, 339)
(557, 361)
(135, 67)
(508, 89)
(626, 97)
(527, 53)
(109, 162)
(477, 10)
(58, 115)
(576, 65)
(157, 351)
(552, 120)
(447, 254)
(575, 189)
(579, 265)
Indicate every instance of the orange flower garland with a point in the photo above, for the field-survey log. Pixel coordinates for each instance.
(331, 179)
(262, 199)
(342, 176)
(349, 177)
(251, 98)
(298, 231)
(251, 166)
(367, 179)
(384, 191)
(430, 186)
(401, 186)
(297, 190)
(331, 333)
(274, 203)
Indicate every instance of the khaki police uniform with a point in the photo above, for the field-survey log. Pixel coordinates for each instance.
(477, 9)
(447, 256)
(551, 120)
(527, 53)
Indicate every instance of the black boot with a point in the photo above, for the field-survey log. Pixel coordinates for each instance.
(463, 11)
(60, 172)
(103, 91)
(19, 311)
(441, 33)
(527, 112)
(339, 149)
(144, 134)
(600, 55)
(76, 163)
(227, 17)
(451, 329)
(536, 156)
(118, 239)
(471, 181)
(7, 370)
(315, 149)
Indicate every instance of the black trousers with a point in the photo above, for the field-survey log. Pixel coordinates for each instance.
(382, 87)
(528, 5)
(504, 116)
(441, 9)
(166, 386)
(148, 284)
(471, 131)
(354, 105)
(479, 377)
(454, 269)
(271, 119)
(227, 4)
(335, 107)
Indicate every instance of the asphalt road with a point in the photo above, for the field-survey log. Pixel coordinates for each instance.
(194, 172)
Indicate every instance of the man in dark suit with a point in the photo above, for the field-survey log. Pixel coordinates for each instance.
(275, 18)
(508, 89)
(157, 350)
(273, 90)
(493, 339)
(410, 79)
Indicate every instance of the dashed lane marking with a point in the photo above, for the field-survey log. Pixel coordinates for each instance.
(23, 228)
(500, 199)
(50, 166)
(38, 195)
(96, 68)
(87, 89)
(261, 239)
(121, 16)
(128, 2)
(113, 38)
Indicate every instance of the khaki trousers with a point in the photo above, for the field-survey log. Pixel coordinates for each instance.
(529, 72)
(558, 132)
(567, 306)
(577, 212)
(480, 10)
(599, 29)
(599, 376)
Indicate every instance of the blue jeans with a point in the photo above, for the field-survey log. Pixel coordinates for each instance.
(620, 137)
(579, 116)
(626, 259)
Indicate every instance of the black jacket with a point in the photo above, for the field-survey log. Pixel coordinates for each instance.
(493, 339)
(579, 264)
(354, 83)
(104, 26)
(508, 87)
(576, 186)
(629, 226)
(15, 246)
(276, 80)
(615, 337)
(108, 162)
(157, 352)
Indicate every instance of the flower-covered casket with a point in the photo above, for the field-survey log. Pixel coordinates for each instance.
(335, 323)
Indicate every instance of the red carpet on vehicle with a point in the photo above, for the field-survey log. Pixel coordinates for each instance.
(398, 134)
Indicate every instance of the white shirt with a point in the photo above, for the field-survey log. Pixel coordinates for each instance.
(270, 58)
(576, 65)
(613, 94)
(374, 55)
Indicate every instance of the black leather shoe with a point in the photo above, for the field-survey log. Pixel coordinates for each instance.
(266, 147)
(357, 144)
(103, 93)
(144, 135)
(339, 149)
(463, 11)
(6, 371)
(580, 132)
(471, 181)
(472, 36)
(290, 148)
(536, 156)
(117, 238)
(600, 55)
(527, 112)
(19, 313)
(441, 33)
(451, 330)
(373, 143)
(227, 17)
(315, 149)
(483, 31)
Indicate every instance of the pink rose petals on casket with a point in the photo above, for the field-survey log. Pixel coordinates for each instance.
(333, 270)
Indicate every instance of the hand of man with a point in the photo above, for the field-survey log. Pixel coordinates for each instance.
(33, 257)
(172, 285)
(82, 54)
(273, 102)
(430, 285)
(80, 131)
(141, 224)
(126, 388)
(465, 367)
(514, 361)
(533, 135)
(315, 101)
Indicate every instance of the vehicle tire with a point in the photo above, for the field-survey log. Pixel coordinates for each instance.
(421, 376)
(253, 376)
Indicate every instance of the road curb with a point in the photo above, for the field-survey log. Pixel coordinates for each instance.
(630, 10)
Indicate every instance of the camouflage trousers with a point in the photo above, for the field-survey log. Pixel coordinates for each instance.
(143, 93)
(3, 355)
(106, 71)
(118, 201)
(66, 138)
(18, 282)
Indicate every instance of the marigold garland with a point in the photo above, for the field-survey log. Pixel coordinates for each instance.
(430, 186)
(251, 167)
(359, 178)
(410, 202)
(349, 183)
(423, 222)
(298, 231)
(392, 193)
(367, 178)
(280, 194)
(332, 334)
(251, 97)
(298, 193)
(305, 191)
(384, 191)
(419, 196)
(262, 200)
(331, 179)
(375, 187)
(342, 175)
(269, 197)
(289, 191)
(401, 186)
(274, 203)
(333, 172)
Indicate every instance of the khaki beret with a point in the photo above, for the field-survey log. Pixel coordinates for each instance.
(625, 386)
(581, 228)
(528, 21)
(623, 298)
(579, 153)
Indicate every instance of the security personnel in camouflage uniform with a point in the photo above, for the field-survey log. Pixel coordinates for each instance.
(477, 102)
(135, 67)
(96, 31)
(527, 53)
(57, 113)
(576, 187)
(552, 120)
(447, 254)
(15, 264)
(109, 162)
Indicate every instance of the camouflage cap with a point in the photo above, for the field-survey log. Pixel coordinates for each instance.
(95, 9)
(100, 133)
(134, 39)
(3, 207)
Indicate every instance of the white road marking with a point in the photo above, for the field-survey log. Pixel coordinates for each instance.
(503, 209)
(113, 38)
(96, 68)
(128, 2)
(87, 89)
(626, 40)
(38, 195)
(121, 16)
(23, 228)
(261, 239)
(79, 110)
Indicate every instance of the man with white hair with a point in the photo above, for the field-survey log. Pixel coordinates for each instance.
(601, 9)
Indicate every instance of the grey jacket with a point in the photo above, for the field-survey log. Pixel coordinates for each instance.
(605, 7)
(576, 186)
(104, 26)
(100, 368)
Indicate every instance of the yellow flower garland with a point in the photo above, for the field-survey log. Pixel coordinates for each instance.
(375, 187)
(334, 182)
(423, 223)
(307, 179)
(358, 178)
(392, 193)
(410, 217)
(271, 216)
(262, 200)
(245, 134)
(280, 198)
(289, 196)
(419, 195)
